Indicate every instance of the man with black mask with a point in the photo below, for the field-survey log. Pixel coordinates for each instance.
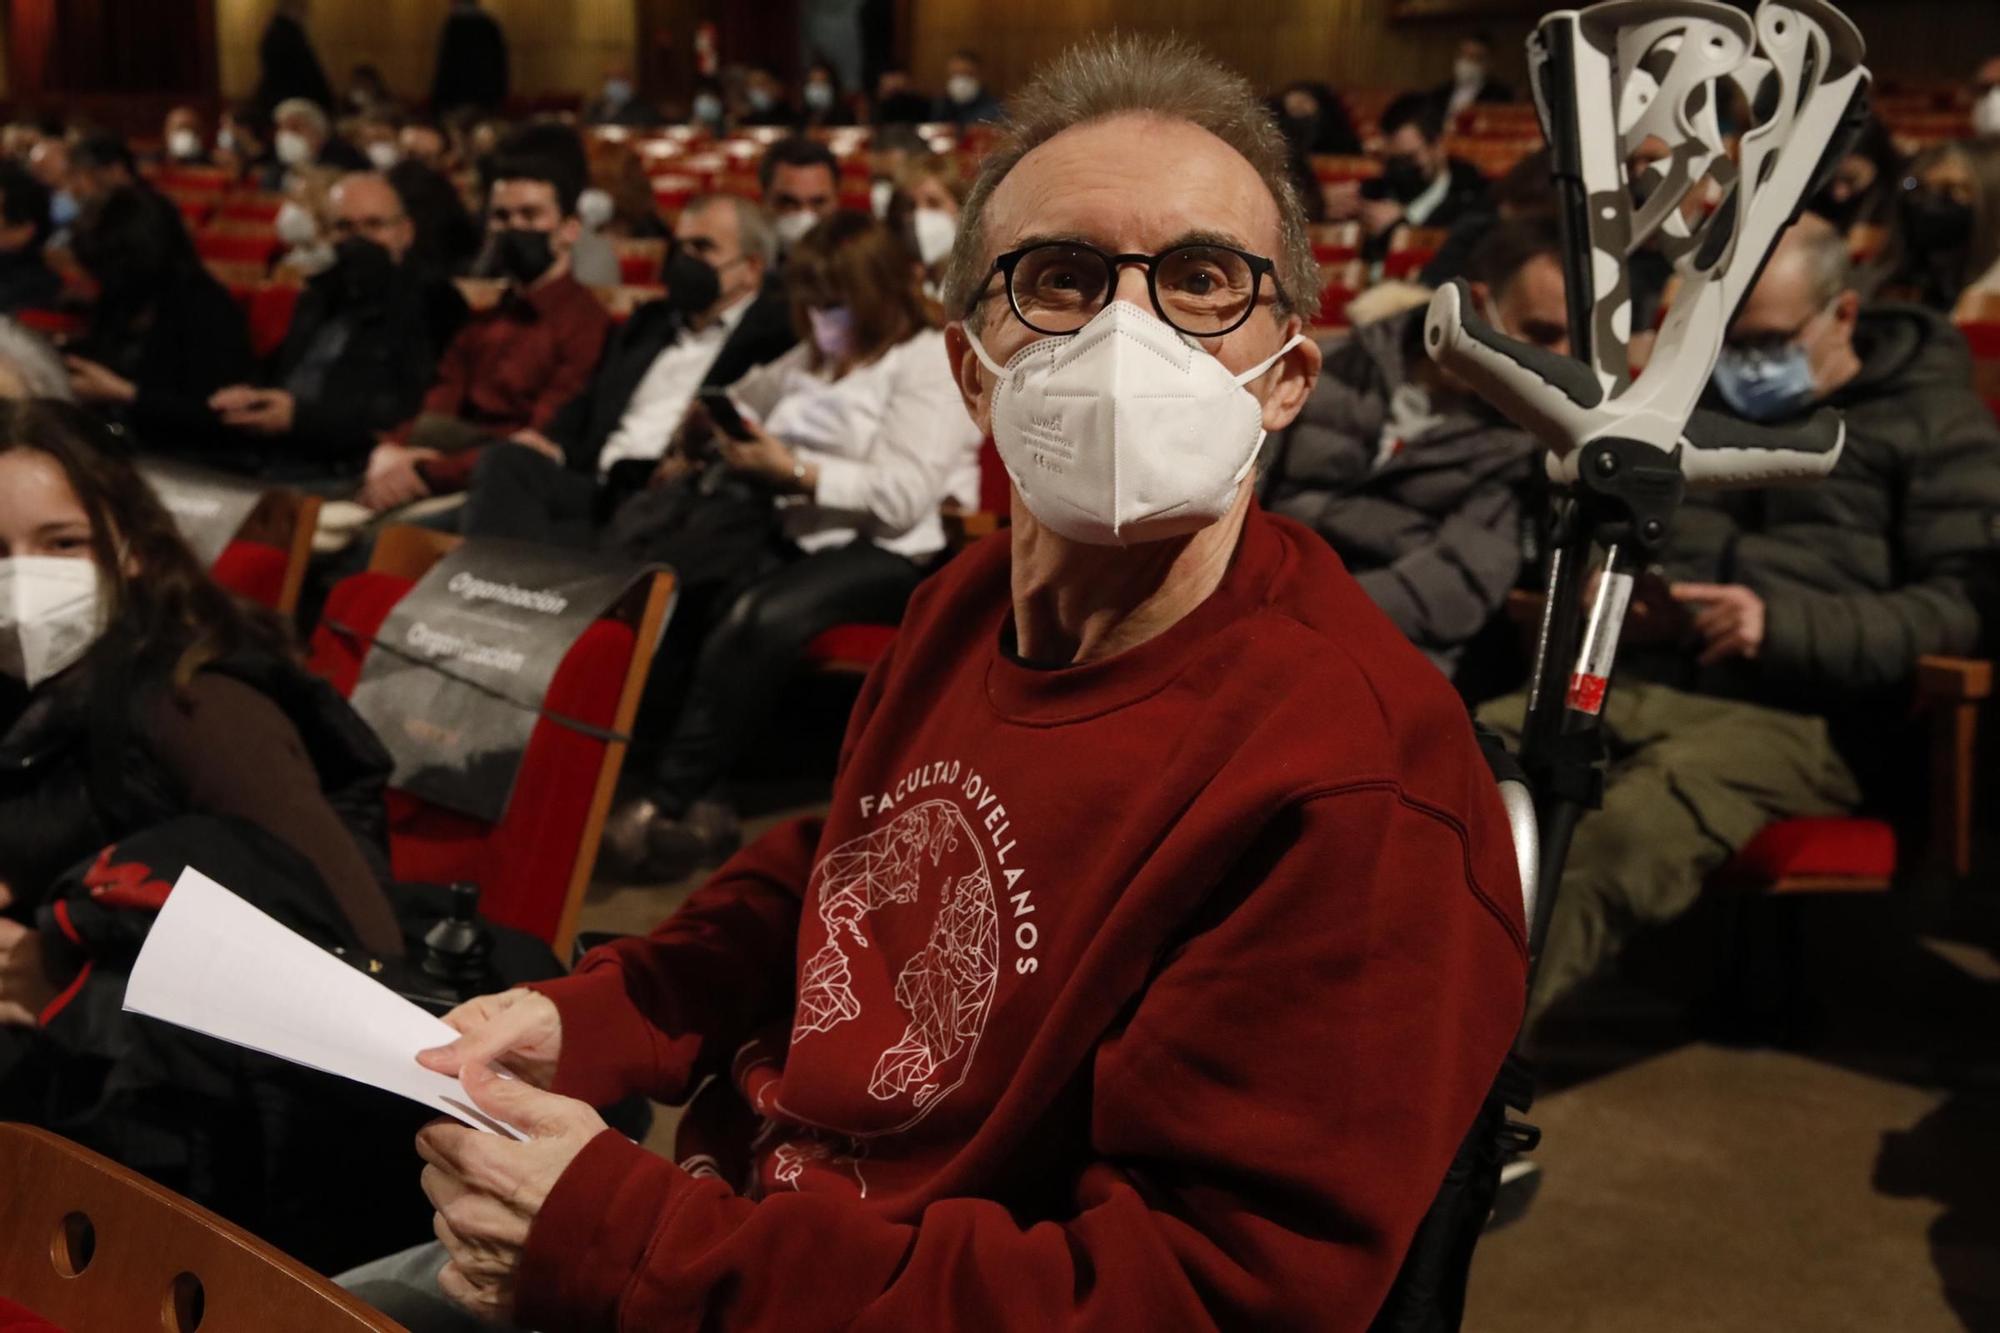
(1420, 185)
(515, 363)
(723, 314)
(361, 349)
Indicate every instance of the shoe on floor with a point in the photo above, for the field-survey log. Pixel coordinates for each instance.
(622, 852)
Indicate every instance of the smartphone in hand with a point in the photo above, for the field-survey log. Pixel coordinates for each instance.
(722, 411)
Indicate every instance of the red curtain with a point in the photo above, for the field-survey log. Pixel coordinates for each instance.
(70, 47)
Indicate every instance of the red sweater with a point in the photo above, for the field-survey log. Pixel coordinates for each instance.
(1153, 993)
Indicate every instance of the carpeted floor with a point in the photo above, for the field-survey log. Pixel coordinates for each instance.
(1852, 1185)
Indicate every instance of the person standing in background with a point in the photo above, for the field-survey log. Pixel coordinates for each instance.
(287, 65)
(830, 33)
(1472, 82)
(966, 100)
(471, 61)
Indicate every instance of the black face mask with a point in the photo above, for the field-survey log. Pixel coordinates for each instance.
(1840, 213)
(1932, 225)
(520, 254)
(692, 284)
(1405, 179)
(365, 269)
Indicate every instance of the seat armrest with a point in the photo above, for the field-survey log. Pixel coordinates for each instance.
(1950, 680)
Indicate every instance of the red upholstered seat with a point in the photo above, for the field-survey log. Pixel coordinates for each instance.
(253, 571)
(251, 208)
(638, 270)
(850, 647)
(1821, 848)
(51, 323)
(523, 863)
(269, 313)
(19, 1319)
(238, 247)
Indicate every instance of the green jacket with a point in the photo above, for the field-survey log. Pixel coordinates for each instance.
(1891, 557)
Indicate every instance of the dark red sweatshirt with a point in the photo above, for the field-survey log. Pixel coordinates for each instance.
(1153, 993)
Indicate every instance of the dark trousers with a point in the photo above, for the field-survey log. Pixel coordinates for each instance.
(525, 495)
(744, 662)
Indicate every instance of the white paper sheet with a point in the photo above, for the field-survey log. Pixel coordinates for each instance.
(215, 964)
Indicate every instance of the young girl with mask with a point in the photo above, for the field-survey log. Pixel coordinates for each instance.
(858, 436)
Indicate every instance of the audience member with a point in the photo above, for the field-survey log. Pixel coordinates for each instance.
(360, 352)
(241, 141)
(163, 334)
(858, 436)
(1528, 190)
(801, 183)
(302, 223)
(26, 280)
(287, 66)
(471, 62)
(100, 163)
(1949, 241)
(830, 32)
(820, 100)
(1314, 119)
(1420, 186)
(929, 194)
(379, 139)
(304, 137)
(513, 365)
(724, 314)
(368, 94)
(1986, 100)
(708, 110)
(48, 162)
(1412, 479)
(592, 261)
(618, 102)
(1276, 950)
(966, 99)
(619, 174)
(1472, 80)
(1790, 629)
(764, 101)
(18, 139)
(1864, 187)
(422, 142)
(897, 101)
(182, 143)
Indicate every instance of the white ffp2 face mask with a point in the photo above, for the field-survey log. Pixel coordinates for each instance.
(1125, 431)
(1986, 116)
(51, 611)
(936, 231)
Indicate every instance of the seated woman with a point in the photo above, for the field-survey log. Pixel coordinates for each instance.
(163, 334)
(928, 196)
(135, 693)
(859, 435)
(1949, 240)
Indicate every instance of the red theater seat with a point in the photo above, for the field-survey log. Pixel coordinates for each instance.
(534, 863)
(850, 647)
(238, 247)
(1822, 853)
(269, 311)
(254, 571)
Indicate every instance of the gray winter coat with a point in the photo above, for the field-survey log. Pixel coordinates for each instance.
(1433, 533)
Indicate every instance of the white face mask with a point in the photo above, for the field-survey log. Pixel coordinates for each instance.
(936, 231)
(183, 145)
(1468, 73)
(225, 141)
(382, 154)
(880, 194)
(1125, 431)
(294, 150)
(51, 611)
(294, 225)
(792, 226)
(961, 88)
(1986, 116)
(594, 208)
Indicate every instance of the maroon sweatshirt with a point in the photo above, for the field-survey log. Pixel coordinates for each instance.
(1152, 993)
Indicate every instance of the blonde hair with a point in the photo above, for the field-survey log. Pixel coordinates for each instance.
(1118, 75)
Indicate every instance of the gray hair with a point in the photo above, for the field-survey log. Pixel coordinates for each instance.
(1124, 74)
(27, 359)
(305, 107)
(1829, 266)
(754, 233)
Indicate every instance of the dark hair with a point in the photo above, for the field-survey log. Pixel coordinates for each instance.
(135, 244)
(547, 151)
(968, 55)
(1529, 185)
(175, 617)
(101, 149)
(1418, 109)
(1510, 246)
(1483, 36)
(851, 259)
(797, 151)
(24, 199)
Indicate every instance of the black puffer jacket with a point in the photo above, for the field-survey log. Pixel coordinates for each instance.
(1433, 532)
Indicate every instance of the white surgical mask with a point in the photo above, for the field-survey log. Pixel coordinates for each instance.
(383, 154)
(707, 108)
(294, 225)
(1467, 73)
(833, 331)
(51, 611)
(936, 231)
(819, 96)
(225, 141)
(594, 208)
(961, 88)
(1986, 116)
(792, 226)
(294, 149)
(1125, 431)
(617, 92)
(880, 193)
(183, 145)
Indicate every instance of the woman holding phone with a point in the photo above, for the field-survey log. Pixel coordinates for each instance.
(858, 435)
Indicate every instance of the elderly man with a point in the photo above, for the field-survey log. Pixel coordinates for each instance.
(1162, 937)
(304, 137)
(719, 319)
(360, 352)
(1785, 641)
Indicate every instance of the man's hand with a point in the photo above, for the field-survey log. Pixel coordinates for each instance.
(264, 411)
(520, 1030)
(1379, 216)
(487, 1188)
(672, 468)
(1728, 616)
(392, 479)
(1343, 201)
(25, 989)
(531, 438)
(95, 383)
(766, 458)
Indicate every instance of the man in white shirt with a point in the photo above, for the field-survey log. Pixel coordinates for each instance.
(721, 317)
